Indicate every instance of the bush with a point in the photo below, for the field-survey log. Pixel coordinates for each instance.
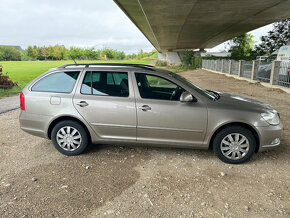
(187, 58)
(160, 63)
(5, 82)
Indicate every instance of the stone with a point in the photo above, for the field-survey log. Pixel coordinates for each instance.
(223, 174)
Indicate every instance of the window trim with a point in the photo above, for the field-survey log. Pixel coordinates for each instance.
(91, 72)
(55, 72)
(152, 74)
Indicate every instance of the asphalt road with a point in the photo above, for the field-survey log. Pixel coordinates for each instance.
(9, 103)
(113, 181)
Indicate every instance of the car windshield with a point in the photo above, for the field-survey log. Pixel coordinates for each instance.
(205, 93)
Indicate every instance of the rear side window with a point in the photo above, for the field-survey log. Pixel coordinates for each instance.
(60, 82)
(106, 84)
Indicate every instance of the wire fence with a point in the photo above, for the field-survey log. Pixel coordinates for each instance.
(226, 66)
(235, 67)
(247, 69)
(219, 65)
(264, 72)
(284, 74)
(261, 71)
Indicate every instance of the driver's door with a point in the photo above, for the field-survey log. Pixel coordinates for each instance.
(162, 118)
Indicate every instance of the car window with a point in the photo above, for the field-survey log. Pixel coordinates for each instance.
(106, 84)
(156, 87)
(60, 82)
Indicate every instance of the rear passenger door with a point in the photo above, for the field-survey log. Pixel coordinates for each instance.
(106, 101)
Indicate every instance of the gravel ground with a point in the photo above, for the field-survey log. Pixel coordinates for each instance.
(109, 181)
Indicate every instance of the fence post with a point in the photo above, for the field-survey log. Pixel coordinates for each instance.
(241, 68)
(275, 72)
(230, 66)
(254, 70)
(222, 67)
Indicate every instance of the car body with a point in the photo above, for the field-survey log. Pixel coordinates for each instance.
(141, 105)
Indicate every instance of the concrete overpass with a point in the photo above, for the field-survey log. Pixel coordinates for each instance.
(176, 25)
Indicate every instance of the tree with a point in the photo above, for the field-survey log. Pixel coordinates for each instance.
(279, 36)
(32, 52)
(242, 47)
(91, 54)
(59, 52)
(108, 52)
(120, 55)
(9, 53)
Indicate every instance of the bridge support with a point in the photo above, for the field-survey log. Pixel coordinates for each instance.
(170, 57)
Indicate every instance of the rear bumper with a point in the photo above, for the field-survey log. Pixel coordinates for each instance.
(270, 136)
(34, 124)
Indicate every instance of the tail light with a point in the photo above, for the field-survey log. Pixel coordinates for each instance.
(22, 101)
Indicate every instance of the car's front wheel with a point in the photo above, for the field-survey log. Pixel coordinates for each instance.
(234, 144)
(69, 137)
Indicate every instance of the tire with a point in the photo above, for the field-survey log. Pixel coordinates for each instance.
(69, 138)
(230, 150)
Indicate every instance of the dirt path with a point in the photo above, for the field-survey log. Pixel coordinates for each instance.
(144, 182)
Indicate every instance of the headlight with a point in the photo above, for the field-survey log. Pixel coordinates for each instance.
(271, 118)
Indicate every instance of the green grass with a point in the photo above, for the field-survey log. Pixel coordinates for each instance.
(23, 72)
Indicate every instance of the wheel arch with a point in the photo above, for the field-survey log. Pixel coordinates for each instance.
(245, 125)
(62, 118)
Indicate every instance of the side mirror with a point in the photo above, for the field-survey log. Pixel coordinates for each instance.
(186, 97)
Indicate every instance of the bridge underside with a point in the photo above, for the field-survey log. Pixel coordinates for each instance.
(174, 25)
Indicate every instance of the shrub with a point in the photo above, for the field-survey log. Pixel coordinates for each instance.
(160, 63)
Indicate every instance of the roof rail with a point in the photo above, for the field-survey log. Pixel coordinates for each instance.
(144, 66)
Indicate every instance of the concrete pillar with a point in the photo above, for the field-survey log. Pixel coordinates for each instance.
(241, 68)
(275, 72)
(222, 67)
(171, 58)
(254, 70)
(230, 67)
(161, 56)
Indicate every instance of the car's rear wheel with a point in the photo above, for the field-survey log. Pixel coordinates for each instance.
(69, 137)
(234, 144)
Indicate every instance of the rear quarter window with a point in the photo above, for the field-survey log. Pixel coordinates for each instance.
(60, 82)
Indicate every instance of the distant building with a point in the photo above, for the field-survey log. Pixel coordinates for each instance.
(14, 46)
(216, 54)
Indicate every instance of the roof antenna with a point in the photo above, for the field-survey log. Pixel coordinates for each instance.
(73, 59)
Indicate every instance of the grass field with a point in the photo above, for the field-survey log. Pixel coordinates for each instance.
(23, 72)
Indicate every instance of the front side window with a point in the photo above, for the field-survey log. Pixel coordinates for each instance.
(106, 83)
(155, 87)
(60, 82)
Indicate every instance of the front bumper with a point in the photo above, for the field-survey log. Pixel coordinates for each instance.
(270, 136)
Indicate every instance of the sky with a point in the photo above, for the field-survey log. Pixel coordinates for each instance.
(82, 23)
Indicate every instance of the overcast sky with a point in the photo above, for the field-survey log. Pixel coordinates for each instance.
(83, 23)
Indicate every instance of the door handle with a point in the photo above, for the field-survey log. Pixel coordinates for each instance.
(145, 108)
(82, 104)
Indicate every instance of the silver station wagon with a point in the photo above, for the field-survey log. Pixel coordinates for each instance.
(75, 105)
